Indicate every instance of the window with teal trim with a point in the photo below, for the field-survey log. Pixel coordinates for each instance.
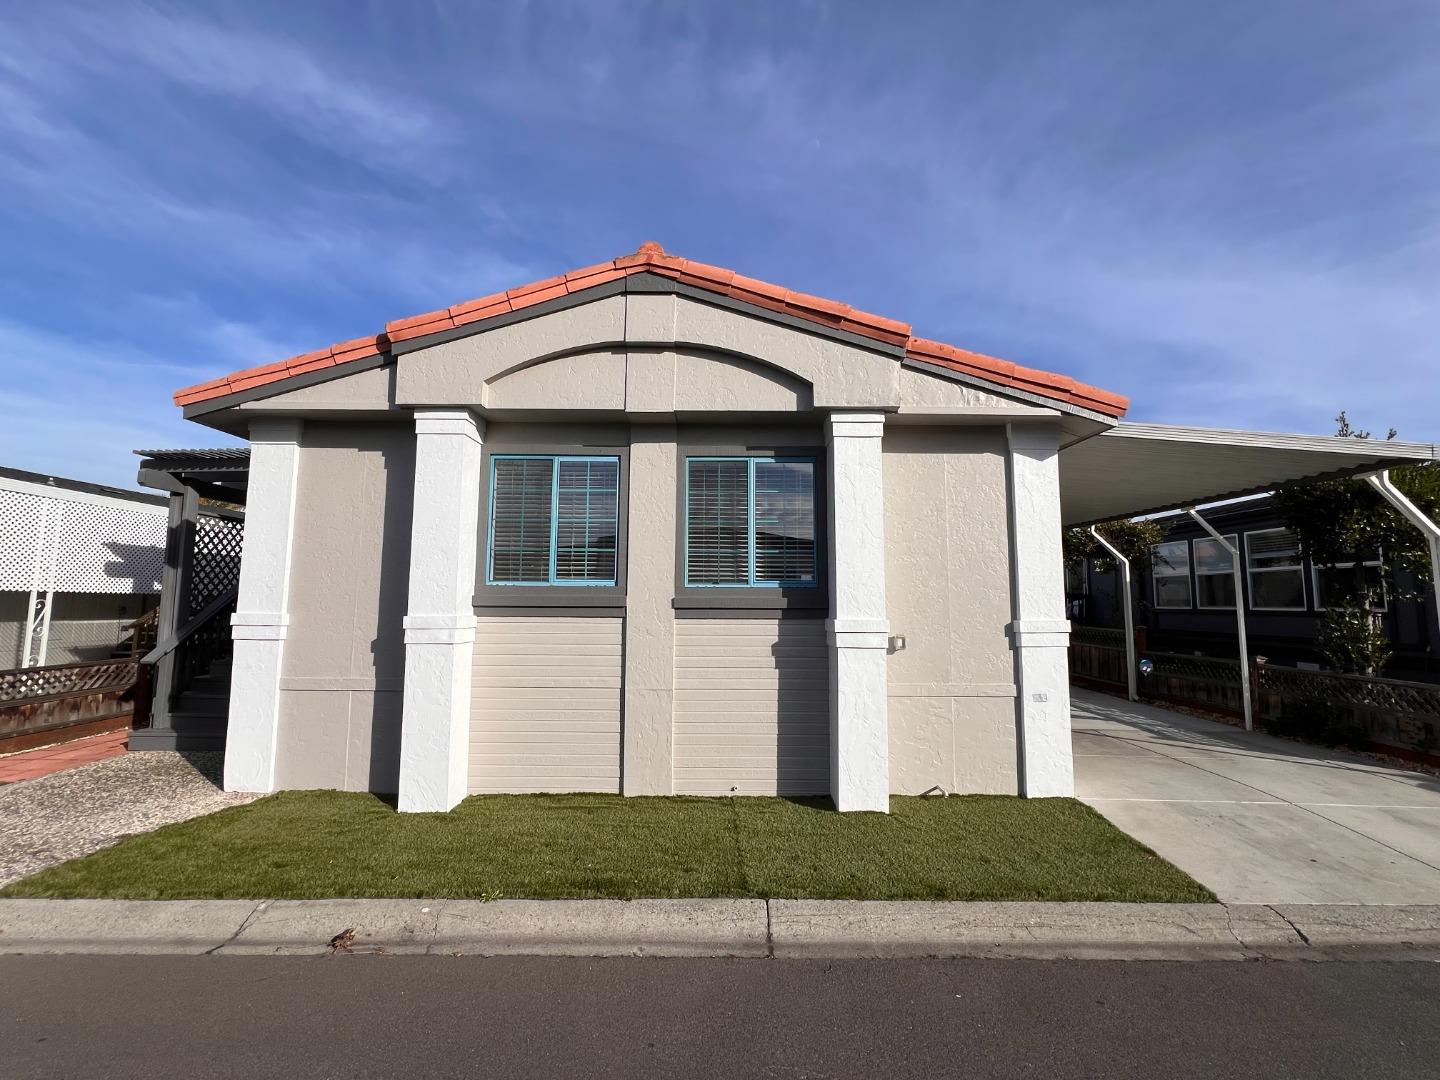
(554, 520)
(750, 521)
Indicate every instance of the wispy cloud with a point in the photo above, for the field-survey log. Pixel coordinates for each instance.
(1227, 211)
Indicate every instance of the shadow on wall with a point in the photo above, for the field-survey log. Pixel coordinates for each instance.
(802, 744)
(139, 564)
(388, 647)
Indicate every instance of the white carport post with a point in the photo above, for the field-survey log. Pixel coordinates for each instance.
(1239, 616)
(1128, 607)
(1382, 483)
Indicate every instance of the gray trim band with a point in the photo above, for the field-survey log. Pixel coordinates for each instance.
(1006, 391)
(752, 612)
(647, 283)
(557, 610)
(509, 318)
(290, 382)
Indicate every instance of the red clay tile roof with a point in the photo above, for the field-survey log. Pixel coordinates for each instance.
(651, 258)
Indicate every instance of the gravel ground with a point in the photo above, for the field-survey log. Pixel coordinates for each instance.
(54, 818)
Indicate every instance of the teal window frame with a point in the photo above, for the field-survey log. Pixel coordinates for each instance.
(752, 459)
(555, 462)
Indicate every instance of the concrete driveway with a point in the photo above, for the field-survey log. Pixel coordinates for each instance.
(1259, 820)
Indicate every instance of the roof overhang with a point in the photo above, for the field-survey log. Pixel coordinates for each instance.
(1134, 469)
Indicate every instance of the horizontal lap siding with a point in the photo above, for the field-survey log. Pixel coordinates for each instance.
(545, 706)
(752, 712)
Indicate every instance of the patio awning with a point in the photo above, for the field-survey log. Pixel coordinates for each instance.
(221, 473)
(1134, 469)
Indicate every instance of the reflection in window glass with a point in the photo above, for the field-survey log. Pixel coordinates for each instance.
(1214, 573)
(750, 522)
(1170, 572)
(1277, 577)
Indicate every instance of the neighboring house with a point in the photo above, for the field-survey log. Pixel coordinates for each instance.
(655, 527)
(79, 562)
(1187, 595)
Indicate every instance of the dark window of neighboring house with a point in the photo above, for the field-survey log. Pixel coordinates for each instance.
(1339, 581)
(1214, 573)
(1277, 574)
(750, 522)
(553, 520)
(1170, 571)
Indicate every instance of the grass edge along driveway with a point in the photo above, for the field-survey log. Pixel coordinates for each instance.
(316, 844)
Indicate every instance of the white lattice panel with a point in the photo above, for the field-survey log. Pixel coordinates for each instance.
(108, 546)
(24, 526)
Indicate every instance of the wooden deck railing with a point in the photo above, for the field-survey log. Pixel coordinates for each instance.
(44, 703)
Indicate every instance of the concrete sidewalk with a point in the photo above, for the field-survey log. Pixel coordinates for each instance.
(736, 928)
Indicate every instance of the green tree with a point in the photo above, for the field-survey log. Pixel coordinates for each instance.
(1133, 539)
(1346, 521)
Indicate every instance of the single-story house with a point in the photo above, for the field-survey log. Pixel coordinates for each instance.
(656, 527)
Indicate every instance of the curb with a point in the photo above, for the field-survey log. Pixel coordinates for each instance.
(784, 929)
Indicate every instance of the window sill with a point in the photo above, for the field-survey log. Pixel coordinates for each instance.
(563, 596)
(811, 600)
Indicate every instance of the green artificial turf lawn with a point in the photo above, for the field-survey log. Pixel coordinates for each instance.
(306, 844)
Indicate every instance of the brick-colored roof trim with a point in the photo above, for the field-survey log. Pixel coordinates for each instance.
(652, 258)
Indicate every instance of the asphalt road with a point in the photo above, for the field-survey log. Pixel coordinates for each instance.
(433, 1017)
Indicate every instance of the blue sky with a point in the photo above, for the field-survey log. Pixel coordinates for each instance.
(1229, 211)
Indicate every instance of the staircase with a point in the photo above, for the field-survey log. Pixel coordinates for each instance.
(201, 710)
(190, 676)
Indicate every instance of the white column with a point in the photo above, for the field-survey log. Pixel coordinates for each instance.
(262, 609)
(1040, 632)
(859, 627)
(440, 625)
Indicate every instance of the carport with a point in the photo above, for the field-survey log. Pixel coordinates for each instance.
(1131, 470)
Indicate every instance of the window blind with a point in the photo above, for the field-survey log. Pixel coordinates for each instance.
(523, 502)
(717, 522)
(587, 505)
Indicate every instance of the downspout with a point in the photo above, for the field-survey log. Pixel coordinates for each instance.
(1128, 607)
(1239, 616)
(1382, 483)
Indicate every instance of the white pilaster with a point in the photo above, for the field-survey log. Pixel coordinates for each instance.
(1040, 632)
(859, 627)
(262, 609)
(440, 624)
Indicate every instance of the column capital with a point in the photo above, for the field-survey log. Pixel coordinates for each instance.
(276, 429)
(1037, 438)
(460, 422)
(854, 425)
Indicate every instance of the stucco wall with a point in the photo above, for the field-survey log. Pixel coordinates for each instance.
(947, 576)
(655, 335)
(344, 657)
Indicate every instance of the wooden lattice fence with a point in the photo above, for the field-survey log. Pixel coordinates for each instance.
(37, 703)
(1390, 713)
(1386, 711)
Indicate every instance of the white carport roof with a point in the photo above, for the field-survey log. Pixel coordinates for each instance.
(1133, 469)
